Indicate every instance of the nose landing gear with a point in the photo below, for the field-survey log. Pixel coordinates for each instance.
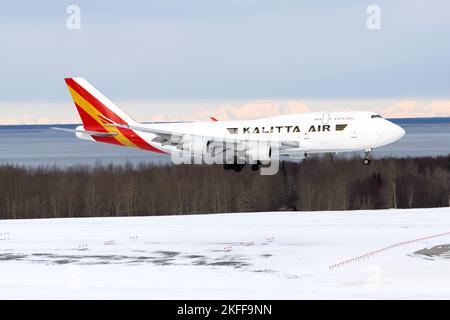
(367, 158)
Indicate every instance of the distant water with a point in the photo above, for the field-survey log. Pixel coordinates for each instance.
(424, 137)
(39, 145)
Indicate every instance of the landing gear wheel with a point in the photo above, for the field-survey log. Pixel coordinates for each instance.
(255, 167)
(366, 160)
(238, 167)
(227, 166)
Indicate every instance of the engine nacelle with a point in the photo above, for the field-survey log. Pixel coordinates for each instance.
(82, 134)
(297, 156)
(195, 145)
(258, 151)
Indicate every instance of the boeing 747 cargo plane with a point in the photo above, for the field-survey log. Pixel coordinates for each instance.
(236, 143)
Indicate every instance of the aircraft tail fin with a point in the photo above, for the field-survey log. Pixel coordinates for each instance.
(94, 108)
(98, 113)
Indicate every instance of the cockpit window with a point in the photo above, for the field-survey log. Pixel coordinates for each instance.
(376, 116)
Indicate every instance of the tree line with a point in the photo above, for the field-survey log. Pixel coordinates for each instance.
(318, 183)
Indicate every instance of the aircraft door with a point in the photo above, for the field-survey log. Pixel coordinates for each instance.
(325, 117)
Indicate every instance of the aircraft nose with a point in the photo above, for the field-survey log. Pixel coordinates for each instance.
(397, 132)
(400, 132)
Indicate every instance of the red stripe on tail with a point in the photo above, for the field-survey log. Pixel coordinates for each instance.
(90, 124)
(108, 113)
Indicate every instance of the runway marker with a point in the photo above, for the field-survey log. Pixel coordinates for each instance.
(395, 245)
(4, 235)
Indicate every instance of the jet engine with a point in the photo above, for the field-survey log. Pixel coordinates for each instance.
(195, 145)
(258, 151)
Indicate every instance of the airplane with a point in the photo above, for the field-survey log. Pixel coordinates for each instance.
(237, 143)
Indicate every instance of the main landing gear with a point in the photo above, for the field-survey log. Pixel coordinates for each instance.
(238, 167)
(366, 160)
(235, 166)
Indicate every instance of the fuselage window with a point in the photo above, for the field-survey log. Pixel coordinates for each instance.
(376, 116)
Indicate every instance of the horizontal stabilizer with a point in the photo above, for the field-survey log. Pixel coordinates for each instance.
(91, 133)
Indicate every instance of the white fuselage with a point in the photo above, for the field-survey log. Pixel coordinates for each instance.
(314, 132)
(235, 142)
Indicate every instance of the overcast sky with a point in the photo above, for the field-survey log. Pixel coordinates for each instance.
(189, 55)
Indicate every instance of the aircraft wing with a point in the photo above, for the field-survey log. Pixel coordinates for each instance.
(166, 137)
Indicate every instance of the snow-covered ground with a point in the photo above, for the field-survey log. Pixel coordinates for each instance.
(254, 255)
